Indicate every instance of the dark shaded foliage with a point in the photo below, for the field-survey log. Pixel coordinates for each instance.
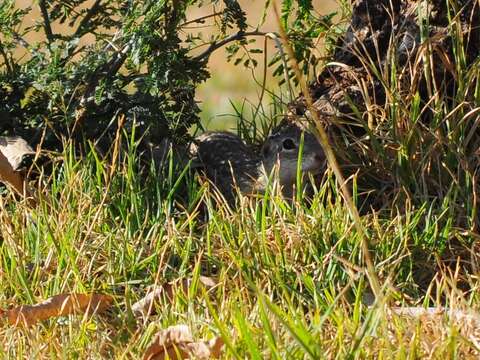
(138, 66)
(399, 102)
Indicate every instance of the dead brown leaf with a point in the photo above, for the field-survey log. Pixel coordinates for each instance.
(10, 176)
(12, 150)
(58, 305)
(176, 342)
(146, 305)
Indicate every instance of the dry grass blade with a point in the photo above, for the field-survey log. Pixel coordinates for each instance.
(58, 305)
(176, 342)
(454, 314)
(374, 283)
(436, 321)
(146, 305)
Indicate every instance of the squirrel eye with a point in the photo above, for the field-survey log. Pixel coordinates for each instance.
(288, 144)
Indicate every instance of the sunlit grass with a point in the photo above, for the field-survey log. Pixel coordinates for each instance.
(291, 283)
(291, 276)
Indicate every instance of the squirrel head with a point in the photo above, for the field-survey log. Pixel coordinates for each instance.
(282, 148)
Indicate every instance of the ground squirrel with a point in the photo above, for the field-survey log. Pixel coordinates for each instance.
(228, 162)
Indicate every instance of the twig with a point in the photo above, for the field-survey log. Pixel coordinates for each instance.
(332, 161)
(283, 56)
(90, 14)
(80, 31)
(20, 40)
(5, 57)
(217, 45)
(46, 21)
(200, 19)
(106, 71)
(264, 84)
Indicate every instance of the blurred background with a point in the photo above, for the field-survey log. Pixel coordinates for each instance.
(228, 84)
